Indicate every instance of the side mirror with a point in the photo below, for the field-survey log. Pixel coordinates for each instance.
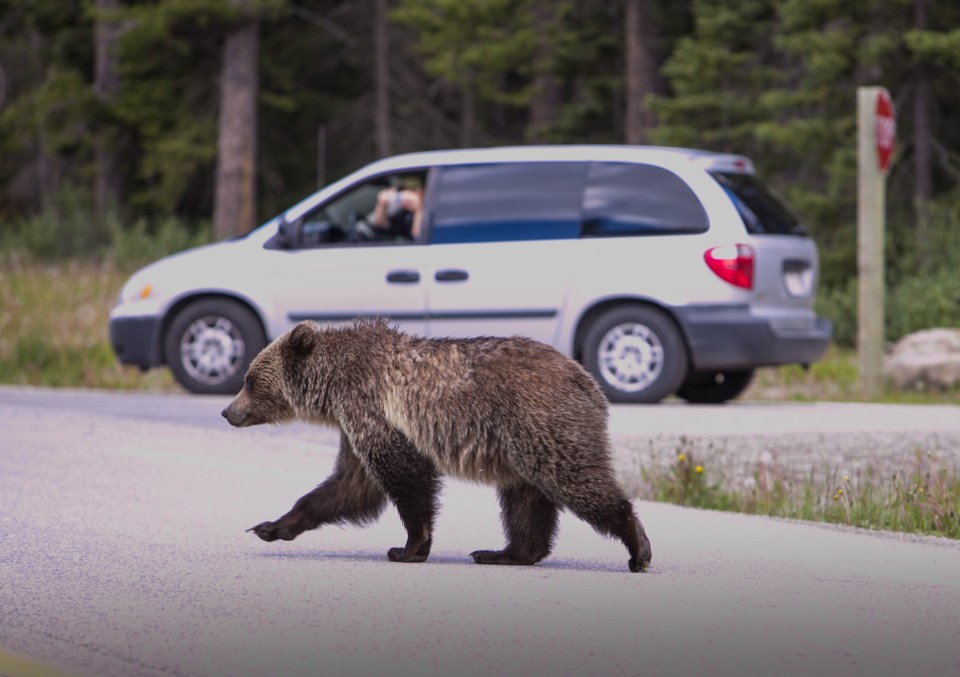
(286, 234)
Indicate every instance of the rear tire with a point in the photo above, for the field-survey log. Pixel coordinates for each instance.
(715, 387)
(210, 344)
(636, 353)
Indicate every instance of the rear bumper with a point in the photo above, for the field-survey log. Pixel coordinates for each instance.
(727, 338)
(136, 341)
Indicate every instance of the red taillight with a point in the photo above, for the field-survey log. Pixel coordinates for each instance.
(732, 263)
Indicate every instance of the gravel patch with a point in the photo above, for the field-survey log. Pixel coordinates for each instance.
(734, 461)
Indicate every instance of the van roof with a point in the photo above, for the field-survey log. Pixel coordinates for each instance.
(709, 160)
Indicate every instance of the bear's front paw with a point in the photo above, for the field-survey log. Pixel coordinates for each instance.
(273, 531)
(400, 555)
(267, 531)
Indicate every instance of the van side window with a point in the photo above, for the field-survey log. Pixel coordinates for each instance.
(508, 202)
(384, 209)
(634, 199)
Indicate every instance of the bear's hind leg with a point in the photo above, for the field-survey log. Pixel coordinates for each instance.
(348, 495)
(616, 519)
(627, 527)
(530, 522)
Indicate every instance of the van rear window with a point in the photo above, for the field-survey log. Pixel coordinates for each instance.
(763, 211)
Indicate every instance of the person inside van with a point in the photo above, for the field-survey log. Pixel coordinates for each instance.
(399, 210)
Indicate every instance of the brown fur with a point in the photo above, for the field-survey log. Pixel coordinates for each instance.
(510, 412)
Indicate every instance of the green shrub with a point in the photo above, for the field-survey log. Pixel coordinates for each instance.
(921, 302)
(914, 303)
(142, 244)
(839, 304)
(65, 229)
(68, 230)
(922, 285)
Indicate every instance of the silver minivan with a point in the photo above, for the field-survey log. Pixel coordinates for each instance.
(662, 270)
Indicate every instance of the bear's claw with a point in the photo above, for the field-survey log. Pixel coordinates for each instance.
(267, 531)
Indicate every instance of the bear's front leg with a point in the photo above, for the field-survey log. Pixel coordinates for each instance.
(411, 481)
(348, 495)
(272, 531)
(416, 550)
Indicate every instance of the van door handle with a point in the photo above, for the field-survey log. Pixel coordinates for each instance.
(451, 275)
(403, 277)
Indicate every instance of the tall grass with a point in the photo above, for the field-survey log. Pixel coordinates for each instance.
(53, 325)
(60, 272)
(924, 497)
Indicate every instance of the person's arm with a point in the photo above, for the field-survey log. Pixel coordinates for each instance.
(380, 210)
(413, 202)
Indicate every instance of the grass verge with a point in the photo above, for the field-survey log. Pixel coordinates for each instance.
(835, 378)
(923, 497)
(53, 326)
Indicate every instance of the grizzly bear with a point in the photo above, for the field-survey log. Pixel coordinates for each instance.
(510, 412)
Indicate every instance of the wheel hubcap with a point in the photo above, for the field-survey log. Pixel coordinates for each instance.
(630, 357)
(211, 350)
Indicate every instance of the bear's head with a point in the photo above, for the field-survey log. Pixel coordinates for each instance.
(274, 380)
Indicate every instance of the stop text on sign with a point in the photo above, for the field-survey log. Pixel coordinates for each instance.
(886, 130)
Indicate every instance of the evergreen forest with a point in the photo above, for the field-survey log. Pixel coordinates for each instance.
(125, 115)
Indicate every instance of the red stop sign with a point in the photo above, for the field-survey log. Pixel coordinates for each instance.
(886, 129)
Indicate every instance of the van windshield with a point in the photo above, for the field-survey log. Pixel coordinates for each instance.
(763, 211)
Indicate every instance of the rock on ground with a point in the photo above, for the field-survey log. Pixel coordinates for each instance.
(925, 360)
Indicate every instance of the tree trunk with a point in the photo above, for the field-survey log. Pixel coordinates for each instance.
(46, 176)
(641, 71)
(235, 201)
(106, 87)
(381, 79)
(923, 155)
(546, 87)
(468, 118)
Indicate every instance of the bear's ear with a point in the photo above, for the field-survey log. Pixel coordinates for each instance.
(301, 340)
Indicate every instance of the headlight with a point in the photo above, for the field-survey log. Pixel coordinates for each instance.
(135, 290)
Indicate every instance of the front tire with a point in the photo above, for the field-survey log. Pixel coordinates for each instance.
(636, 353)
(210, 344)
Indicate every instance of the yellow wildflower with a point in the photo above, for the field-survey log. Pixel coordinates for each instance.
(681, 458)
(698, 469)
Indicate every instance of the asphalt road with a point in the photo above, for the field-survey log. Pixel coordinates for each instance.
(123, 552)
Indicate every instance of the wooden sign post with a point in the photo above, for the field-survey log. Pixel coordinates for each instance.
(876, 132)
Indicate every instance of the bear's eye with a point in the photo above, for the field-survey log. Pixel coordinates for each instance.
(248, 383)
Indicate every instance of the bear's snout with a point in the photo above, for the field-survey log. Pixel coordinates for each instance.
(234, 418)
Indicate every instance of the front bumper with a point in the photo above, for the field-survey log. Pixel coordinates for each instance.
(136, 341)
(723, 338)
